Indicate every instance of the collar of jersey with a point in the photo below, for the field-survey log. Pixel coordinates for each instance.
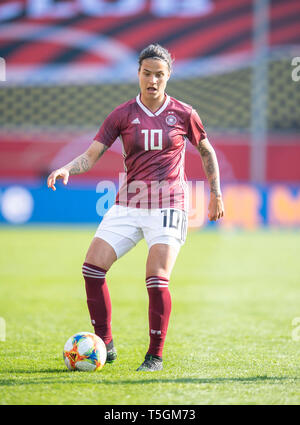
(150, 113)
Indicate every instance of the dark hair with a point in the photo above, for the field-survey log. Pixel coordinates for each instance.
(156, 51)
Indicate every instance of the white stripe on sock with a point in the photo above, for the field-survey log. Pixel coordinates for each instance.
(157, 281)
(91, 271)
(157, 286)
(150, 279)
(92, 275)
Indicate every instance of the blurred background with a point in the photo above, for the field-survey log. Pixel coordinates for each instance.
(67, 64)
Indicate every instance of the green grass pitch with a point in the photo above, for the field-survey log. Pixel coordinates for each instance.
(231, 338)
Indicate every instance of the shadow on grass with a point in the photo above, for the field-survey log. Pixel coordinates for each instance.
(36, 371)
(98, 378)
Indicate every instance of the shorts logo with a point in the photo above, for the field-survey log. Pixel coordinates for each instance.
(171, 120)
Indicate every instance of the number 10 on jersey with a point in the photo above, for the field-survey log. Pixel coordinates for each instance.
(155, 139)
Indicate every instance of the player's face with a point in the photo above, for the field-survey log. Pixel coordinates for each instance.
(153, 77)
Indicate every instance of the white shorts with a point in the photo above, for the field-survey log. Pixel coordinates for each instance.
(123, 227)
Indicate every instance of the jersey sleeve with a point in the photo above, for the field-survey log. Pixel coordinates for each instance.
(196, 131)
(109, 130)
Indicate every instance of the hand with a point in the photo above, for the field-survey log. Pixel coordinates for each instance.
(61, 173)
(215, 207)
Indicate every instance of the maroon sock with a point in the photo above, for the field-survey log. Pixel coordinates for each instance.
(159, 313)
(98, 300)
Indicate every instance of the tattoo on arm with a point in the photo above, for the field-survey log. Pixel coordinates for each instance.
(84, 162)
(75, 169)
(215, 186)
(79, 165)
(102, 152)
(210, 165)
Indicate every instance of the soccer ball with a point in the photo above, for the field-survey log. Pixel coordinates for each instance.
(85, 351)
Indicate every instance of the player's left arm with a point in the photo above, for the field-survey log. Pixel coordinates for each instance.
(211, 169)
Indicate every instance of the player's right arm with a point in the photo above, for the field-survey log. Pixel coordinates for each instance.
(79, 165)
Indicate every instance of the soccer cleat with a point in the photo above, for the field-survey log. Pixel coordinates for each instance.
(151, 364)
(111, 352)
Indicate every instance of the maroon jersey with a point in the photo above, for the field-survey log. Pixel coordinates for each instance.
(153, 148)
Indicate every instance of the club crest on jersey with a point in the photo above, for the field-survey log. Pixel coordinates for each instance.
(171, 119)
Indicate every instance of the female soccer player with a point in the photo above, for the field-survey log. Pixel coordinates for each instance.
(152, 202)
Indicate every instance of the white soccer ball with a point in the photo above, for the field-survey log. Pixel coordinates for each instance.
(85, 351)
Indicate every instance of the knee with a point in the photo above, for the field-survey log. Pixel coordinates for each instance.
(100, 254)
(156, 271)
(97, 259)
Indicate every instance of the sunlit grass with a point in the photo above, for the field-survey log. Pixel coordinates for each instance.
(230, 335)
